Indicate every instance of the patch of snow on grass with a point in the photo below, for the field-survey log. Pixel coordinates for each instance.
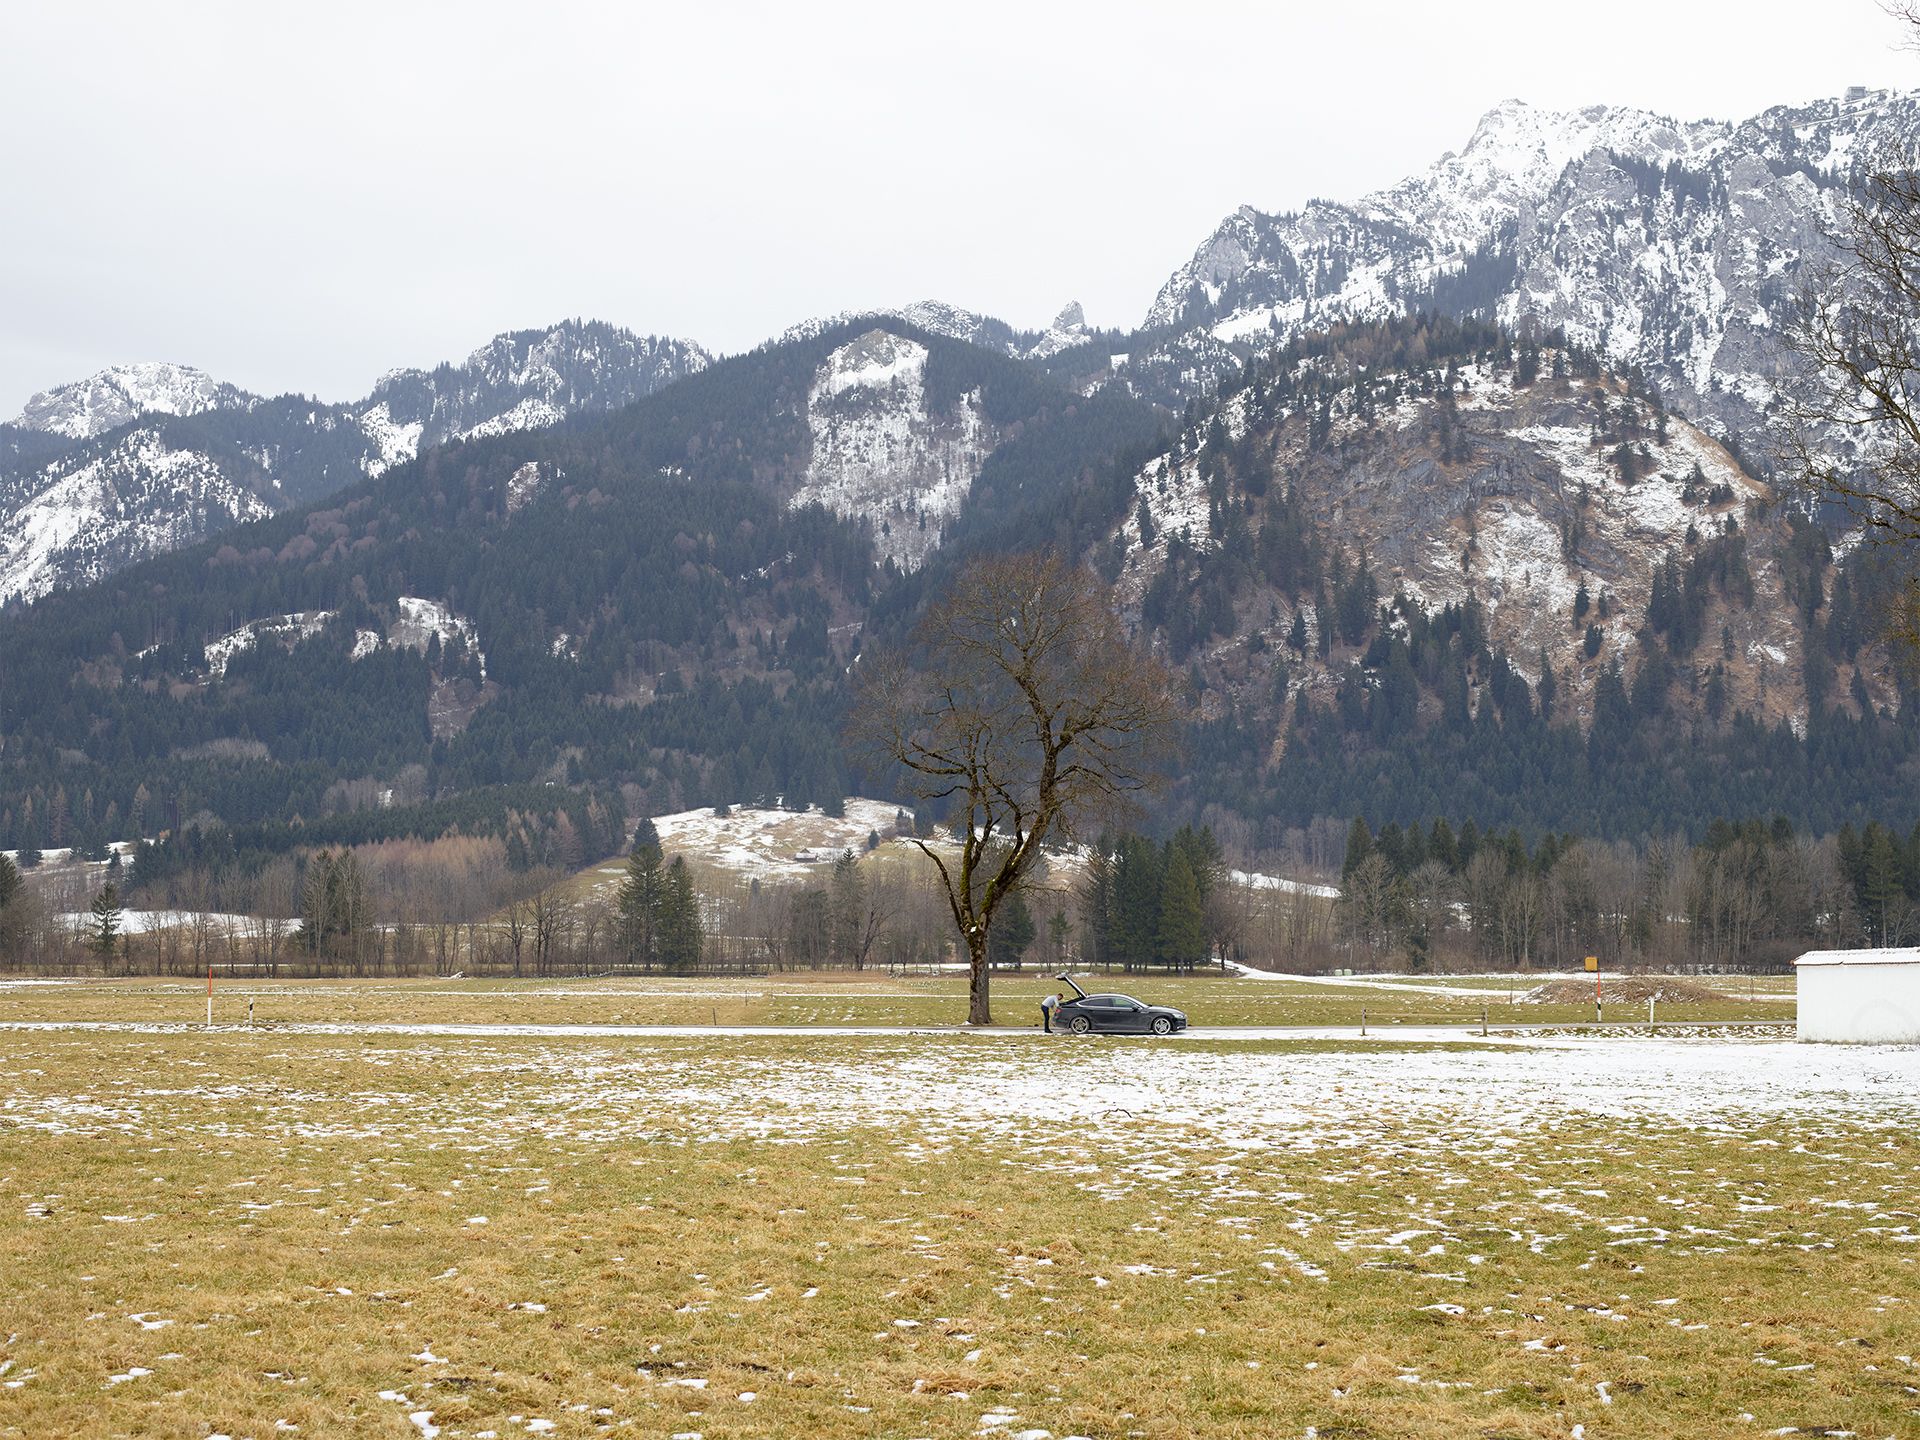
(766, 843)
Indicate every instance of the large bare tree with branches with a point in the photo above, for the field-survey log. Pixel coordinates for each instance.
(1022, 706)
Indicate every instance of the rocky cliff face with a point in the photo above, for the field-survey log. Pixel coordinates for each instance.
(1550, 505)
(881, 452)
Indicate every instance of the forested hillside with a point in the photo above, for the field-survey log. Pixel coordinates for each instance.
(627, 608)
(1414, 569)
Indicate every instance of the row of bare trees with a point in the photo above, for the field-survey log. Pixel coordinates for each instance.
(1663, 905)
(453, 909)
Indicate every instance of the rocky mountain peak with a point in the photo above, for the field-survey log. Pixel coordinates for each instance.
(1665, 245)
(85, 408)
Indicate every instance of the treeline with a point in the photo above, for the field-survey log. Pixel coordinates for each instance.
(1754, 892)
(540, 826)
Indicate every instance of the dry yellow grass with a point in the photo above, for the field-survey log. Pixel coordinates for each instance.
(838, 997)
(236, 1233)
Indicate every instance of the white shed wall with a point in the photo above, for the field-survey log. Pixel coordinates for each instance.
(1861, 1004)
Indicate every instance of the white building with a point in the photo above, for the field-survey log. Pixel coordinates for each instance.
(1860, 997)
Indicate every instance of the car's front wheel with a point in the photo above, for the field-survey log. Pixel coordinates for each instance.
(1162, 1025)
(1080, 1025)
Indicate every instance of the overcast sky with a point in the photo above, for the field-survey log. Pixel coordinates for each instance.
(301, 197)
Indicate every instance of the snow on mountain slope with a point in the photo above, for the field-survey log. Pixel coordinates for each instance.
(286, 629)
(86, 408)
(879, 453)
(531, 379)
(393, 442)
(107, 505)
(421, 621)
(414, 627)
(1668, 245)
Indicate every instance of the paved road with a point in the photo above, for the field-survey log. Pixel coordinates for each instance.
(1425, 1034)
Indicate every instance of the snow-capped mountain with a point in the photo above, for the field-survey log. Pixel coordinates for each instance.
(936, 317)
(86, 408)
(526, 380)
(87, 483)
(1674, 246)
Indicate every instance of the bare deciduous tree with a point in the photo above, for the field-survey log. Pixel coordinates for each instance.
(1023, 707)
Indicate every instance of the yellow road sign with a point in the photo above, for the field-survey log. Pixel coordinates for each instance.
(1593, 962)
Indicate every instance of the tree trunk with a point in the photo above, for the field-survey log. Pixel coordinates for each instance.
(977, 1011)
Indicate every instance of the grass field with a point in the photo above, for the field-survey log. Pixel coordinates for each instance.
(263, 1233)
(833, 998)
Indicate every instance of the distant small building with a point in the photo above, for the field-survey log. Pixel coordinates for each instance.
(1860, 997)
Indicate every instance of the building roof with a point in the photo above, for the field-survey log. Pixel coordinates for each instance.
(1908, 955)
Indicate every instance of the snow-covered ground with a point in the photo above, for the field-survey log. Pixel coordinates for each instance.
(63, 854)
(287, 629)
(142, 922)
(1255, 880)
(768, 844)
(577, 1084)
(763, 844)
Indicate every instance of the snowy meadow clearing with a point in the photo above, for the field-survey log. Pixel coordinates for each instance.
(951, 1235)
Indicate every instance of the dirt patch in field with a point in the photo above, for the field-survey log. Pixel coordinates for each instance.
(1661, 989)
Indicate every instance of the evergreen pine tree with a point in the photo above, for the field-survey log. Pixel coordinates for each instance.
(103, 929)
(641, 893)
(1097, 906)
(1359, 847)
(1013, 931)
(680, 935)
(1183, 930)
(1136, 902)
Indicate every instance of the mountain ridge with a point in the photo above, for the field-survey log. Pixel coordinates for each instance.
(282, 450)
(1671, 246)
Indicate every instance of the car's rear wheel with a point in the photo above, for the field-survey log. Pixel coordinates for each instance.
(1162, 1025)
(1080, 1025)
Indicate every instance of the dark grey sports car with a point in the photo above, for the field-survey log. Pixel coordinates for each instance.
(1118, 1014)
